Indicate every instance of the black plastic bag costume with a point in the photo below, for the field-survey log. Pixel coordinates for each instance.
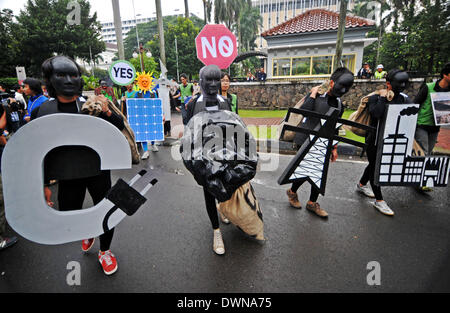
(226, 158)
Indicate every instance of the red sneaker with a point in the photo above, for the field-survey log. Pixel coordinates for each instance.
(108, 262)
(87, 244)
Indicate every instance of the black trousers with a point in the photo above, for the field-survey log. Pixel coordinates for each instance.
(369, 172)
(71, 195)
(313, 196)
(211, 208)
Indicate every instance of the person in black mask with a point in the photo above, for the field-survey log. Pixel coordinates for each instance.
(209, 100)
(340, 83)
(396, 83)
(77, 168)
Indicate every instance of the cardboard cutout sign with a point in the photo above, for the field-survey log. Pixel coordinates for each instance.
(313, 158)
(122, 73)
(441, 107)
(395, 164)
(22, 172)
(216, 45)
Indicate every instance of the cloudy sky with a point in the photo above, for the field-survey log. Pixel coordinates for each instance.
(144, 7)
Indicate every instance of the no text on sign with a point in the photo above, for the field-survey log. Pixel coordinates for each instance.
(217, 45)
(122, 73)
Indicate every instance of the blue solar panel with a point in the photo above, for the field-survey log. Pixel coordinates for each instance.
(146, 119)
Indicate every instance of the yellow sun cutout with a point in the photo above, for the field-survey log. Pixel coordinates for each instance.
(144, 81)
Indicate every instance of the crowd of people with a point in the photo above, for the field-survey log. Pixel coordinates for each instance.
(63, 91)
(366, 72)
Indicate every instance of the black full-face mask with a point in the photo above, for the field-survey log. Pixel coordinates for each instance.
(210, 81)
(342, 85)
(65, 77)
(399, 82)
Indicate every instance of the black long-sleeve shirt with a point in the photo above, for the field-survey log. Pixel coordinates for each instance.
(377, 107)
(72, 162)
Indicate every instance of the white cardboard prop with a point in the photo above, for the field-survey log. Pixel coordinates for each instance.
(396, 166)
(164, 85)
(22, 164)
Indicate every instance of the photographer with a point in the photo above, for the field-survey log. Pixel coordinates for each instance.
(14, 111)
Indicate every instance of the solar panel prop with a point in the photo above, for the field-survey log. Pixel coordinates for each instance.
(312, 159)
(395, 165)
(219, 151)
(27, 211)
(145, 116)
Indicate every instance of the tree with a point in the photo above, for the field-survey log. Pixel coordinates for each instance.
(185, 31)
(186, 9)
(418, 38)
(44, 31)
(7, 43)
(340, 33)
(150, 65)
(148, 30)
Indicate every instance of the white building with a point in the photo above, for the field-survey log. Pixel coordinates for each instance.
(109, 32)
(275, 12)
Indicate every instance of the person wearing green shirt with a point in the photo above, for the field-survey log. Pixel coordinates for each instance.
(186, 93)
(380, 73)
(231, 98)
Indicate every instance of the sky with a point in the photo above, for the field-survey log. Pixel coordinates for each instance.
(104, 8)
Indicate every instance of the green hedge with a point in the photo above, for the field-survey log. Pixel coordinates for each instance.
(8, 82)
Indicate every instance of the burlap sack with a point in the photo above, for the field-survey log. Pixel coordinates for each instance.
(362, 114)
(296, 119)
(93, 107)
(243, 210)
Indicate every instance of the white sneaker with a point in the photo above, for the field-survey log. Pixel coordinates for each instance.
(145, 155)
(383, 208)
(154, 148)
(218, 246)
(366, 190)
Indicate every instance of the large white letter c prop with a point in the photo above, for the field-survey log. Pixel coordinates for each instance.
(22, 172)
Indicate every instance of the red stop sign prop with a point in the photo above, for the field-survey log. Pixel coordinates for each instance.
(217, 45)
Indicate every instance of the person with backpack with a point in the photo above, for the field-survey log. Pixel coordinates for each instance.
(209, 100)
(230, 97)
(396, 81)
(340, 83)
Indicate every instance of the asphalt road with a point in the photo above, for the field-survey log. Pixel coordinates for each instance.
(167, 245)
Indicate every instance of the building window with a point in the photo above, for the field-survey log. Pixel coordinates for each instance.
(310, 65)
(301, 66)
(349, 61)
(282, 67)
(322, 65)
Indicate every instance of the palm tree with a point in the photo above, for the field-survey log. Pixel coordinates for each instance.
(207, 7)
(186, 9)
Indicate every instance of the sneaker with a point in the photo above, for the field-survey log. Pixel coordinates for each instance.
(383, 208)
(293, 199)
(218, 245)
(365, 190)
(426, 189)
(145, 155)
(6, 242)
(315, 208)
(108, 262)
(154, 148)
(224, 219)
(87, 244)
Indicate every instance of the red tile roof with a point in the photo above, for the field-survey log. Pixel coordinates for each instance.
(316, 20)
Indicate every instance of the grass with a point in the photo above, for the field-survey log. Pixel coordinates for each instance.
(269, 134)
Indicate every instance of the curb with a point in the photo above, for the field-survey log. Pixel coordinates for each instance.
(284, 147)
